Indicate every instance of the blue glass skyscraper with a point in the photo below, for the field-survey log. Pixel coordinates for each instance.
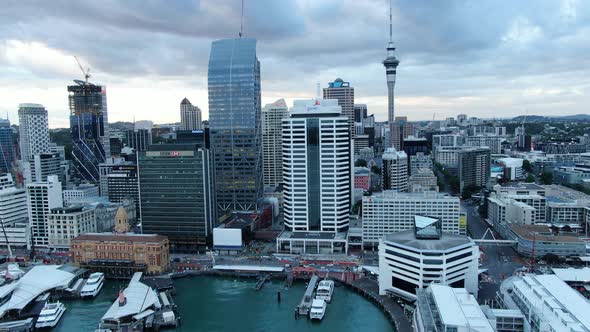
(7, 147)
(234, 121)
(90, 131)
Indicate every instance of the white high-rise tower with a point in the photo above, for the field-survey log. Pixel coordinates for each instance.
(33, 130)
(390, 63)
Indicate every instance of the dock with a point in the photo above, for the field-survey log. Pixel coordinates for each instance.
(305, 304)
(261, 281)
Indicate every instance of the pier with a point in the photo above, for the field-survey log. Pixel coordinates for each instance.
(261, 281)
(305, 304)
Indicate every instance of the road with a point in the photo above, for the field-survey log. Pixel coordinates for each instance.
(499, 261)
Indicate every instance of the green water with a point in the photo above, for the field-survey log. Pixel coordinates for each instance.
(225, 304)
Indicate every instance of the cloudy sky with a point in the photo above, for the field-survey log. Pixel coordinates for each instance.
(486, 58)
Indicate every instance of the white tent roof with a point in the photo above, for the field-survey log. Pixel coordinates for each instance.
(139, 297)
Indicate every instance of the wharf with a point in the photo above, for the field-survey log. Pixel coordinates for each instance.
(305, 304)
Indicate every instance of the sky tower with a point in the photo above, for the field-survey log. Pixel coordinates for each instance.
(390, 63)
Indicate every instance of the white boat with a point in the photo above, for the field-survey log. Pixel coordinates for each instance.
(50, 315)
(318, 309)
(93, 285)
(325, 290)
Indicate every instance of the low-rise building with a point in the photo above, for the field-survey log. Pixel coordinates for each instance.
(540, 240)
(121, 255)
(85, 190)
(362, 178)
(416, 258)
(422, 179)
(548, 303)
(420, 160)
(512, 168)
(65, 223)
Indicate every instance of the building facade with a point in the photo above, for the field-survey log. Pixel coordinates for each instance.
(43, 165)
(272, 129)
(175, 189)
(190, 116)
(123, 184)
(33, 130)
(234, 121)
(344, 93)
(317, 165)
(64, 224)
(82, 191)
(90, 129)
(7, 147)
(474, 167)
(41, 198)
(395, 170)
(139, 139)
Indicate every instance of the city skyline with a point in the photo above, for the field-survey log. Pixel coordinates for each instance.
(488, 64)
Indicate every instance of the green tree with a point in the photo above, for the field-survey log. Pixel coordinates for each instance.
(526, 166)
(530, 178)
(376, 169)
(547, 178)
(360, 163)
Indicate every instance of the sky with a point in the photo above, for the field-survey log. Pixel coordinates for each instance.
(486, 58)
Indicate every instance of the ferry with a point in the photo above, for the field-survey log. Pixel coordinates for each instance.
(318, 309)
(325, 290)
(93, 285)
(50, 315)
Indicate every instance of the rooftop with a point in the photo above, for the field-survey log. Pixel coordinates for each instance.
(571, 274)
(458, 308)
(541, 233)
(521, 185)
(139, 298)
(127, 237)
(445, 242)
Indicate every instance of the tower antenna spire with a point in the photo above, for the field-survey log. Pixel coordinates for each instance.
(242, 21)
(390, 23)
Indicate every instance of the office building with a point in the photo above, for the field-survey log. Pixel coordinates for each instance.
(7, 147)
(139, 139)
(528, 193)
(41, 198)
(448, 156)
(190, 116)
(391, 212)
(344, 93)
(494, 143)
(82, 191)
(121, 255)
(391, 63)
(33, 130)
(64, 224)
(106, 168)
(43, 165)
(360, 142)
(272, 129)
(443, 308)
(13, 201)
(416, 258)
(578, 174)
(234, 122)
(360, 112)
(90, 129)
(317, 165)
(420, 160)
(414, 145)
(175, 192)
(548, 303)
(474, 167)
(539, 240)
(512, 168)
(123, 184)
(423, 179)
(395, 170)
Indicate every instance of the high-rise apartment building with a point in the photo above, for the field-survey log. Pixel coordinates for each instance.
(234, 121)
(7, 147)
(395, 170)
(317, 164)
(90, 129)
(139, 139)
(33, 130)
(190, 116)
(41, 198)
(344, 93)
(474, 167)
(176, 194)
(272, 122)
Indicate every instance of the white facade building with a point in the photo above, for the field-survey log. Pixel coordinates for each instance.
(422, 179)
(272, 131)
(407, 262)
(317, 167)
(547, 302)
(41, 198)
(190, 116)
(448, 156)
(528, 193)
(84, 190)
(64, 224)
(33, 130)
(420, 160)
(391, 212)
(395, 170)
(492, 142)
(13, 213)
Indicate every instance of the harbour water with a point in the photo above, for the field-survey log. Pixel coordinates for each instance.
(226, 304)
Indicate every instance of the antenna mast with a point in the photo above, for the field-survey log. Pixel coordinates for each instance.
(242, 21)
(390, 24)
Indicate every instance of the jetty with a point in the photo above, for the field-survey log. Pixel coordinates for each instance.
(305, 304)
(261, 281)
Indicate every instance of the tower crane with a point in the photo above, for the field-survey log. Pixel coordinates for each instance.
(86, 71)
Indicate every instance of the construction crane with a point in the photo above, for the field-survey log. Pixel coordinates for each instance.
(86, 71)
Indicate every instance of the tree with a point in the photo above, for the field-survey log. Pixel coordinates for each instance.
(547, 178)
(376, 169)
(530, 178)
(551, 258)
(360, 163)
(526, 166)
